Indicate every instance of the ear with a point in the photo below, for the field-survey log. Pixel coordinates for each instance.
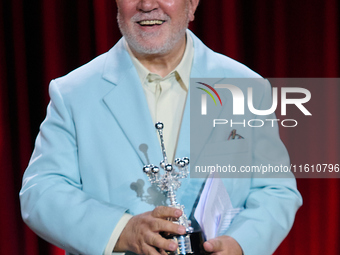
(192, 8)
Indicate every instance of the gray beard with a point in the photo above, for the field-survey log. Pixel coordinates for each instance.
(136, 45)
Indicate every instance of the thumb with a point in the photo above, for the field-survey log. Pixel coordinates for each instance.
(213, 245)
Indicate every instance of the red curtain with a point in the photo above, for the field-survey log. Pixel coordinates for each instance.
(41, 40)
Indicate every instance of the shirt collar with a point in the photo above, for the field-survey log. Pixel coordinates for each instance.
(183, 69)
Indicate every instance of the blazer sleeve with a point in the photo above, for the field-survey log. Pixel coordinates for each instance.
(52, 201)
(273, 198)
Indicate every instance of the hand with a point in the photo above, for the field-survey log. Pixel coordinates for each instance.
(141, 233)
(223, 245)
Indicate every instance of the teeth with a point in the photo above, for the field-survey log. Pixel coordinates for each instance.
(151, 22)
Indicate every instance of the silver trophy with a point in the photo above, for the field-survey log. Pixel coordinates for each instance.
(169, 182)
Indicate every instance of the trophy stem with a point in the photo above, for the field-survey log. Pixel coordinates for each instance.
(172, 197)
(160, 132)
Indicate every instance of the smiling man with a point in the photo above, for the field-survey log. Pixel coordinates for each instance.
(155, 27)
(84, 189)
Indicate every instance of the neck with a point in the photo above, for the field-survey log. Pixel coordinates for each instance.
(162, 64)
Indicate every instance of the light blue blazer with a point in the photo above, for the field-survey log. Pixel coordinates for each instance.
(86, 168)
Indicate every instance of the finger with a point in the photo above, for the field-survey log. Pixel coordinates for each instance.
(208, 247)
(213, 245)
(166, 212)
(158, 241)
(160, 225)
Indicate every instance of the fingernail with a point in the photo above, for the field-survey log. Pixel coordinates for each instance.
(178, 213)
(181, 230)
(208, 246)
(172, 246)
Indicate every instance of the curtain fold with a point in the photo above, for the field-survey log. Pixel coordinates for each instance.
(42, 40)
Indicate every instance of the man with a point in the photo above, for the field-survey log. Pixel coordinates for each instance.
(79, 190)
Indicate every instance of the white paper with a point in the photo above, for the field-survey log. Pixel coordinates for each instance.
(214, 211)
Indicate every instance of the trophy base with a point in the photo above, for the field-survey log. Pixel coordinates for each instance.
(191, 244)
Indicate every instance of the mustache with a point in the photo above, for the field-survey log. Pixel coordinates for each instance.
(150, 16)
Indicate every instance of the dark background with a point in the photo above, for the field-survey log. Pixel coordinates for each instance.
(42, 40)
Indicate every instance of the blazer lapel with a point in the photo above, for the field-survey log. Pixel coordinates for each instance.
(201, 70)
(183, 144)
(127, 103)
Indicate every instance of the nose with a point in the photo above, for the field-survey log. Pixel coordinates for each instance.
(147, 5)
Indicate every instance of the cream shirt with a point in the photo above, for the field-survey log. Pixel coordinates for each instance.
(166, 99)
(166, 96)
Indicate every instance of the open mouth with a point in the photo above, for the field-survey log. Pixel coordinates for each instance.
(151, 22)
